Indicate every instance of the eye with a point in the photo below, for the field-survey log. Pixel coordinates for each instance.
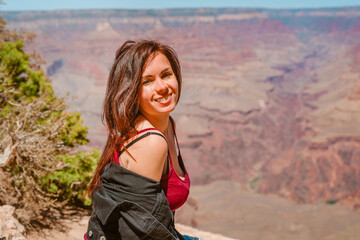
(146, 82)
(166, 74)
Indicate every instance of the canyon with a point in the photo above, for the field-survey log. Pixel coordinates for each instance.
(270, 98)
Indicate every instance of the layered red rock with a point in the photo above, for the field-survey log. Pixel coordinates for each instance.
(270, 97)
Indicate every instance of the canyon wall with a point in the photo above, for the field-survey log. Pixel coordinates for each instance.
(271, 98)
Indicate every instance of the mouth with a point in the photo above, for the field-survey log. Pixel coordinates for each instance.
(163, 99)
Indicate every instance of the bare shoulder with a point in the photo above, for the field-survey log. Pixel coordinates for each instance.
(154, 142)
(147, 156)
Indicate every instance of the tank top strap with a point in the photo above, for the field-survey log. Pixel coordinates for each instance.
(139, 138)
(170, 160)
(146, 129)
(118, 153)
(181, 163)
(176, 140)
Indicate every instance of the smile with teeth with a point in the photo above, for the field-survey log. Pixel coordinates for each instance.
(163, 99)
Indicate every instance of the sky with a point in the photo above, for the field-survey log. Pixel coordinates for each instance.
(28, 5)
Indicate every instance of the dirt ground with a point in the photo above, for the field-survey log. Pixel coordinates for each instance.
(75, 228)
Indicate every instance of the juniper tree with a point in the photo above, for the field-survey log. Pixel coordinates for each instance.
(37, 134)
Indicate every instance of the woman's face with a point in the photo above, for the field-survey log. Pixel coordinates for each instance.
(159, 87)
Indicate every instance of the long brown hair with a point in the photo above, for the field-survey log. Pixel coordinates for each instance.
(121, 104)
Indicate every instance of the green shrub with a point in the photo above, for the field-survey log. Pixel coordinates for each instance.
(70, 183)
(38, 135)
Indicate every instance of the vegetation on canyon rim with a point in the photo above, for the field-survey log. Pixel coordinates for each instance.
(39, 171)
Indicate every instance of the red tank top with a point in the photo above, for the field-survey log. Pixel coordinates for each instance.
(176, 189)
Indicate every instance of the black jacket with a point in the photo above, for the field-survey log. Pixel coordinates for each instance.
(129, 206)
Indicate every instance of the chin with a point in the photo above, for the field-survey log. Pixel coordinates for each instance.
(167, 110)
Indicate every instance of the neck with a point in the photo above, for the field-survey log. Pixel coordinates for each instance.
(160, 122)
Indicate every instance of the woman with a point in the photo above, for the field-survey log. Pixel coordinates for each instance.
(140, 179)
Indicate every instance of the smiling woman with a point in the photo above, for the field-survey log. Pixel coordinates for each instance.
(141, 179)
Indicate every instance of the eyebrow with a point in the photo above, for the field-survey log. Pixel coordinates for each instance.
(166, 69)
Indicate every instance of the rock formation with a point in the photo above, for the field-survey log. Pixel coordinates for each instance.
(10, 228)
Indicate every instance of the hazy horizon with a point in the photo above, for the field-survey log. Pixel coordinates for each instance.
(43, 5)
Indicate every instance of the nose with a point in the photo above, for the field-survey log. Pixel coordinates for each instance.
(160, 86)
